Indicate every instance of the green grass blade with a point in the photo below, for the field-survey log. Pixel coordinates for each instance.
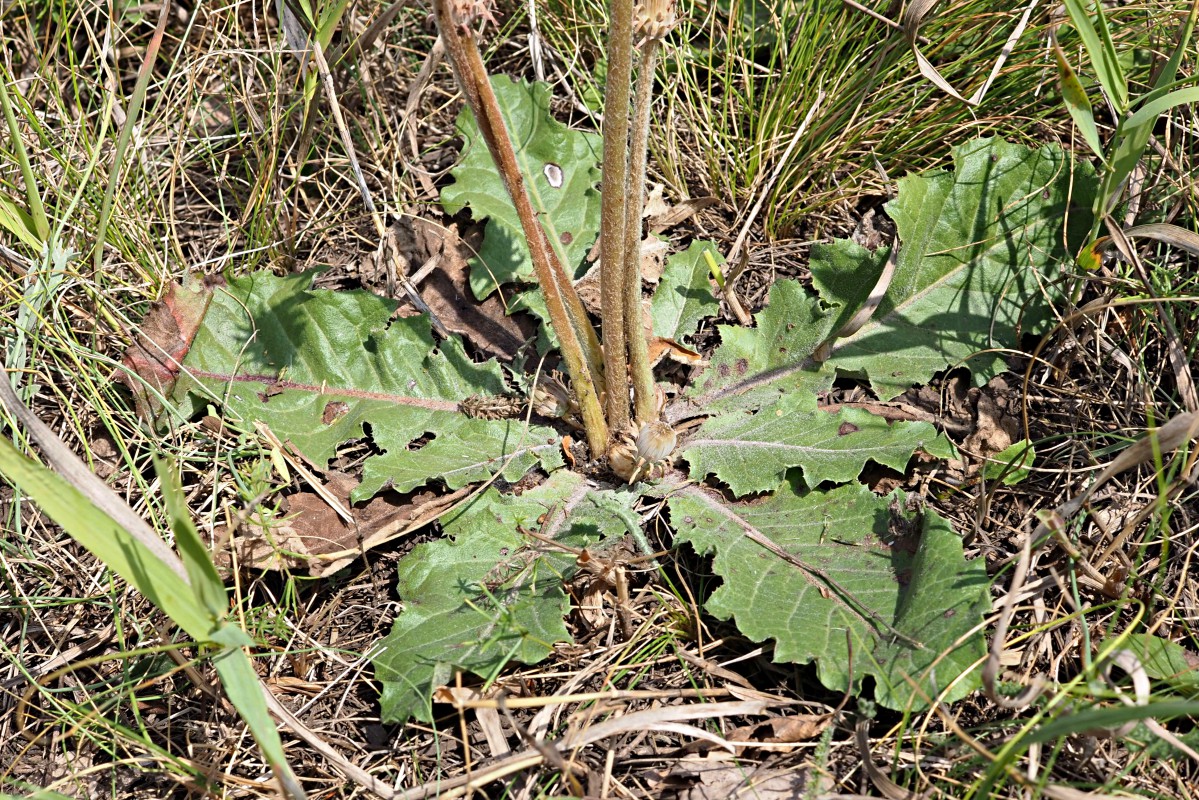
(330, 19)
(1077, 103)
(19, 223)
(37, 211)
(1170, 71)
(1101, 51)
(1132, 137)
(1091, 718)
(244, 692)
(1148, 113)
(205, 580)
(132, 114)
(108, 541)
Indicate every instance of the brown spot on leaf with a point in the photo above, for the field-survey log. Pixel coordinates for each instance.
(566, 237)
(334, 410)
(847, 428)
(742, 366)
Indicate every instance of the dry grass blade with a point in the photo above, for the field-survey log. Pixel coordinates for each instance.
(1131, 664)
(991, 669)
(395, 270)
(1169, 234)
(764, 192)
(890, 789)
(750, 218)
(1004, 54)
(868, 308)
(1174, 434)
(911, 20)
(1179, 359)
(637, 721)
(349, 769)
(145, 72)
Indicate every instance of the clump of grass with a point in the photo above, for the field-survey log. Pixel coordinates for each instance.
(742, 78)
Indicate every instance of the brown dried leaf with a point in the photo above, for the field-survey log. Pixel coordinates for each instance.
(313, 536)
(162, 342)
(447, 292)
(723, 777)
(783, 730)
(661, 347)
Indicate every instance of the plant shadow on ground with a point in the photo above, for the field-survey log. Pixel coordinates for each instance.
(236, 195)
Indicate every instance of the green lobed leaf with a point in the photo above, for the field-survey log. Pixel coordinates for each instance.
(560, 169)
(493, 594)
(756, 366)
(320, 368)
(893, 584)
(684, 295)
(752, 452)
(980, 250)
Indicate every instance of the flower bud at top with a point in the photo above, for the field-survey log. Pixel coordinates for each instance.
(653, 19)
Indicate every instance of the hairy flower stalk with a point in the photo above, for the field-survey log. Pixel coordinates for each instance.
(652, 21)
(613, 272)
(580, 346)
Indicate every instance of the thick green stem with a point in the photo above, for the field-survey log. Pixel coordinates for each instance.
(644, 406)
(612, 209)
(566, 310)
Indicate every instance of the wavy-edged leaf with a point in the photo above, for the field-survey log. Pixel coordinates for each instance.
(492, 595)
(980, 249)
(560, 168)
(756, 366)
(894, 585)
(320, 368)
(752, 452)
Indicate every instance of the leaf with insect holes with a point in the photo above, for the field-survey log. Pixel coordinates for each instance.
(493, 594)
(561, 170)
(980, 258)
(320, 368)
(752, 452)
(882, 593)
(757, 366)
